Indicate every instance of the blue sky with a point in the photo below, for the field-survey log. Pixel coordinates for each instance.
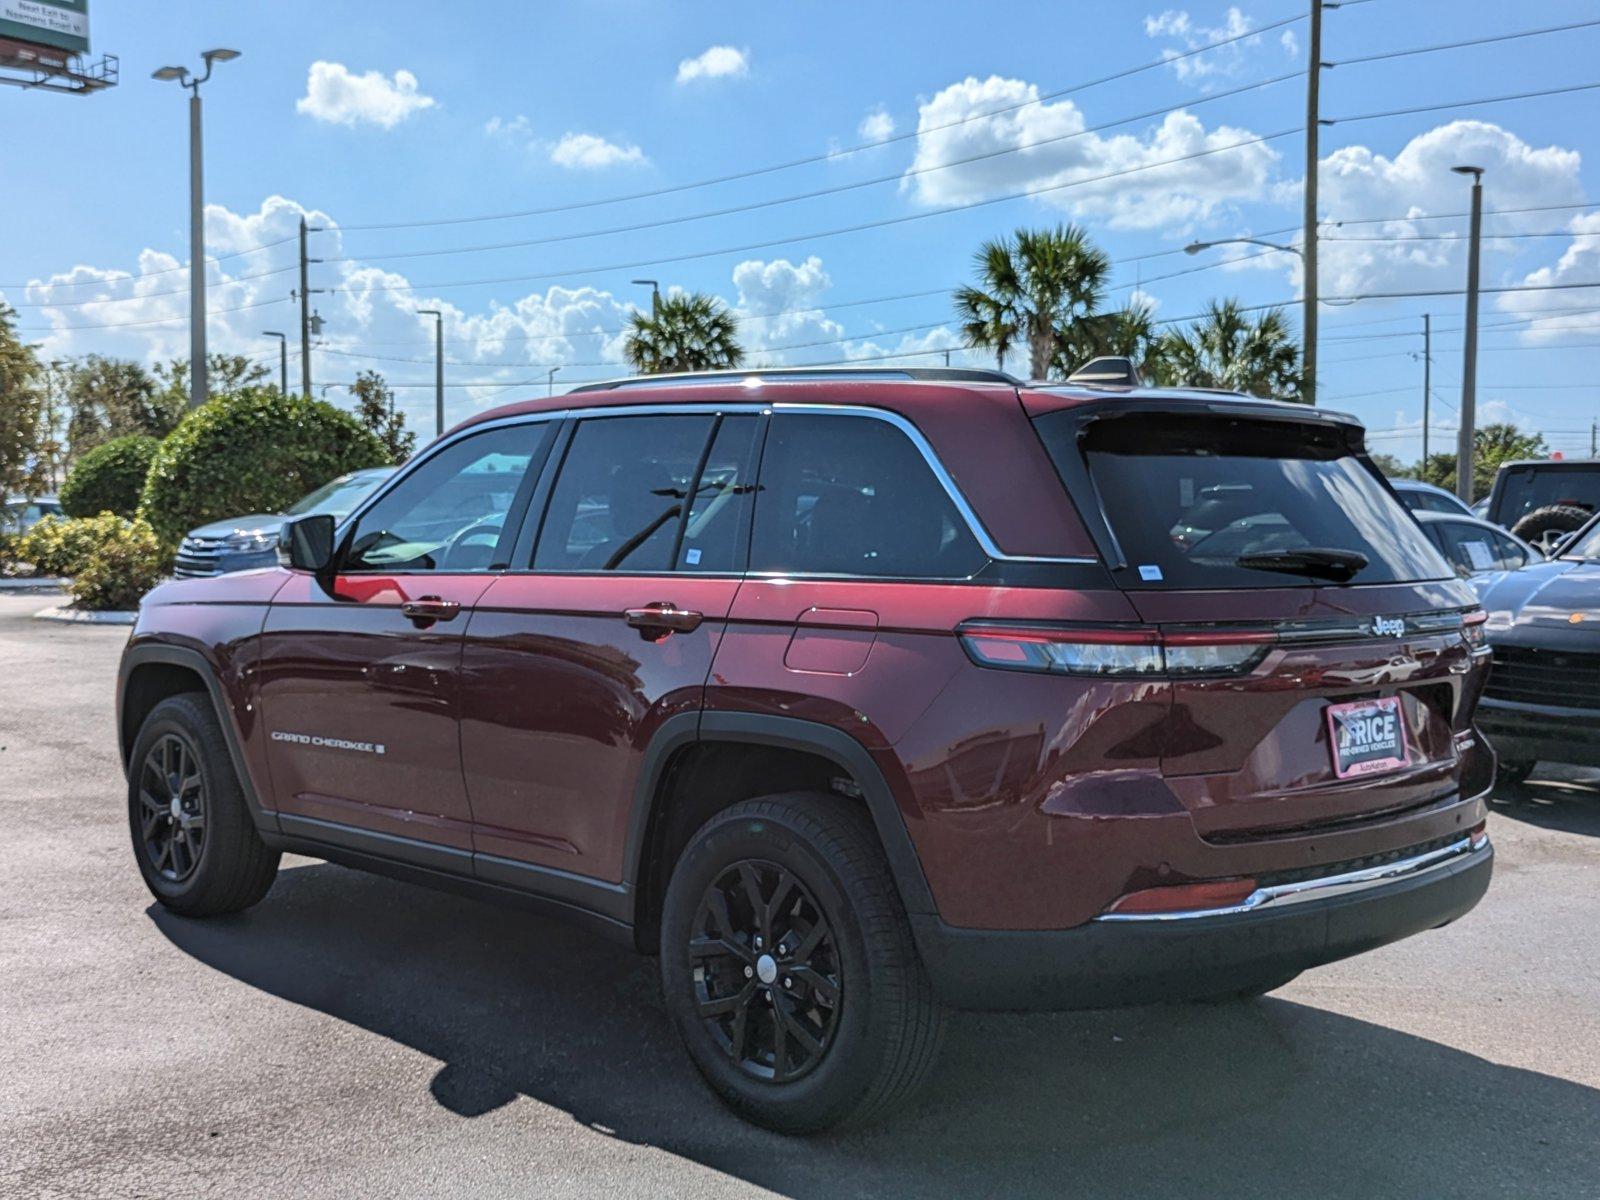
(394, 114)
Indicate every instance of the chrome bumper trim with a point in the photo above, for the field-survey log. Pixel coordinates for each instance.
(1282, 895)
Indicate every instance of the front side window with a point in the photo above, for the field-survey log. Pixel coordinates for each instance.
(448, 513)
(1217, 502)
(845, 495)
(618, 501)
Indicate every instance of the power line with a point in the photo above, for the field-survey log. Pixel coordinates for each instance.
(833, 190)
(827, 233)
(1425, 108)
(1482, 41)
(215, 312)
(210, 260)
(830, 155)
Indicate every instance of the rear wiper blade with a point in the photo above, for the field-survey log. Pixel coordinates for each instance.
(1306, 560)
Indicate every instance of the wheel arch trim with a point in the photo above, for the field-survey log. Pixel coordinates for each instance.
(161, 653)
(788, 733)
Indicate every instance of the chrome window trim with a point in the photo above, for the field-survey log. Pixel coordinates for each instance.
(1283, 895)
(974, 525)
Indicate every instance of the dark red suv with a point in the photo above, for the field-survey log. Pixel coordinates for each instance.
(853, 695)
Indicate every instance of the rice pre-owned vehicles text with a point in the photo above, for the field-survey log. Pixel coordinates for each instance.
(852, 696)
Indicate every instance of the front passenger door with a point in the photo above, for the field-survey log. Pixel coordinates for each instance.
(360, 673)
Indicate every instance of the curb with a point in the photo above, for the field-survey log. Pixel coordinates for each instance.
(25, 587)
(77, 616)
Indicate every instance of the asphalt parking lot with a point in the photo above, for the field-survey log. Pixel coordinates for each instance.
(357, 1037)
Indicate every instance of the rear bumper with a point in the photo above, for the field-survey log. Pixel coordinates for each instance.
(1529, 732)
(1107, 963)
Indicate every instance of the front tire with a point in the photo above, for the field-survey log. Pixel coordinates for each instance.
(193, 839)
(789, 968)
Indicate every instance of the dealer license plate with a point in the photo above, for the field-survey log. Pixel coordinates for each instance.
(1367, 737)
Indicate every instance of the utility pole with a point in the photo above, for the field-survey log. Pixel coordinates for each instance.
(197, 211)
(1427, 381)
(309, 323)
(550, 381)
(1466, 440)
(1594, 439)
(438, 367)
(283, 358)
(1308, 276)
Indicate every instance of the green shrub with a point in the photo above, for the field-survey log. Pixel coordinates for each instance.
(254, 450)
(61, 546)
(109, 478)
(120, 569)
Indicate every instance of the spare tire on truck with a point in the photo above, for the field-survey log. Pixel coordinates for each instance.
(1552, 518)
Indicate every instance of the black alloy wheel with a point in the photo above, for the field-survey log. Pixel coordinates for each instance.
(172, 808)
(766, 971)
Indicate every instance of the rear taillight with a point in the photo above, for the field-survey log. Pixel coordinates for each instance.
(1113, 650)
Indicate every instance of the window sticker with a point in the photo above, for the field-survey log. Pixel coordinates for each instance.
(692, 557)
(1479, 555)
(1150, 573)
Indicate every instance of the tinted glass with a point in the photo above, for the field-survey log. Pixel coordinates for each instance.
(339, 496)
(618, 500)
(1508, 554)
(1585, 545)
(1187, 497)
(1469, 548)
(447, 514)
(845, 495)
(719, 516)
(1526, 488)
(1428, 502)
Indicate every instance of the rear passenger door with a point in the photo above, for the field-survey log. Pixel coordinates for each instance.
(603, 630)
(860, 567)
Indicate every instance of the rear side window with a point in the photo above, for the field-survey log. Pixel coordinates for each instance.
(618, 501)
(844, 495)
(1188, 498)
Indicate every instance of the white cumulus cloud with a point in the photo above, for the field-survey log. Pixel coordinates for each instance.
(716, 63)
(335, 94)
(588, 151)
(876, 126)
(1133, 181)
(1177, 25)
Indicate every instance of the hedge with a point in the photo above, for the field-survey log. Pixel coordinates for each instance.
(109, 478)
(250, 451)
(63, 546)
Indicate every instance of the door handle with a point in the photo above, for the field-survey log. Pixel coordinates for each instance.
(658, 620)
(425, 610)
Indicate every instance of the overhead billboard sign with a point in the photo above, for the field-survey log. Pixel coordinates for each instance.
(61, 24)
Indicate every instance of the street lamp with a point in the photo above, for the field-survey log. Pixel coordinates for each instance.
(1466, 439)
(197, 248)
(438, 367)
(1308, 320)
(655, 295)
(283, 358)
(551, 381)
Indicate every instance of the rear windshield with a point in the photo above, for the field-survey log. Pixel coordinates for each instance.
(1526, 488)
(1188, 497)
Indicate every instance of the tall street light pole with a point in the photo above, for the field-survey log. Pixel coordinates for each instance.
(283, 358)
(551, 381)
(1427, 381)
(1466, 440)
(655, 295)
(197, 212)
(438, 367)
(1308, 275)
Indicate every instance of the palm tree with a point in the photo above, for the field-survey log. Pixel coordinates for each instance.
(1128, 332)
(1035, 287)
(1228, 348)
(693, 332)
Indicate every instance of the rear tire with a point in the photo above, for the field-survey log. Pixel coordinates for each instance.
(193, 838)
(789, 968)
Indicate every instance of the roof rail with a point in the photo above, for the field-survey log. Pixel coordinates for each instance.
(801, 374)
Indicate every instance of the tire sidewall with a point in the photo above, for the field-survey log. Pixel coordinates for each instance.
(850, 1062)
(172, 717)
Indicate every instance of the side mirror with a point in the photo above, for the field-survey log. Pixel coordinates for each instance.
(306, 543)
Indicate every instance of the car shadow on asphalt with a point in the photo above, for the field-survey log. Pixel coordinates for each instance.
(1564, 799)
(1266, 1098)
